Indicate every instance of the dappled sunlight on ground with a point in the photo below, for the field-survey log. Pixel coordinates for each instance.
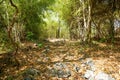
(106, 58)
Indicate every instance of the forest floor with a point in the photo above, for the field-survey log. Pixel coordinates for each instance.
(61, 61)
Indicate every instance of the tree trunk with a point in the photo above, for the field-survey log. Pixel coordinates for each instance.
(11, 25)
(58, 31)
(70, 30)
(98, 35)
(84, 21)
(89, 21)
(111, 30)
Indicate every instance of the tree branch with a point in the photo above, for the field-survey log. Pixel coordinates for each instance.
(12, 4)
(1, 1)
(14, 17)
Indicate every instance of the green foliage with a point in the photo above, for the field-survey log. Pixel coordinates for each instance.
(40, 45)
(9, 78)
(54, 19)
(42, 18)
(30, 36)
(103, 40)
(32, 14)
(4, 41)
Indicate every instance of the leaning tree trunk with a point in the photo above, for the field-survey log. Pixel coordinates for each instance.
(11, 25)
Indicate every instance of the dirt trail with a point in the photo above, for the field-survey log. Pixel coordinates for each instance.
(106, 58)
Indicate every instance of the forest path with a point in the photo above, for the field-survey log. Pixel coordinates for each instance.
(72, 59)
